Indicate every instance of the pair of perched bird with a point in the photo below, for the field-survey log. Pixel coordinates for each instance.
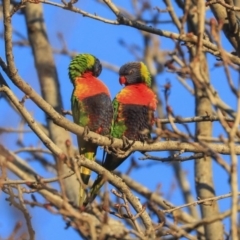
(130, 115)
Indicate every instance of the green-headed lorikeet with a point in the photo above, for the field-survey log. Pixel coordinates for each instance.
(133, 116)
(91, 107)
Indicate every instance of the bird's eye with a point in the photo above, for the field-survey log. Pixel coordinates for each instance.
(97, 68)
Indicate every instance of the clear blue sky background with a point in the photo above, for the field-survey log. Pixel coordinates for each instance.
(86, 35)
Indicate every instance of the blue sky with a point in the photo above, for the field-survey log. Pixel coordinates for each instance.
(86, 35)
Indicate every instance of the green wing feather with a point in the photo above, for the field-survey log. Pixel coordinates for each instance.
(118, 126)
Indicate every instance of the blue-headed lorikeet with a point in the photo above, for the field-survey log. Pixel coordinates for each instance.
(133, 116)
(91, 107)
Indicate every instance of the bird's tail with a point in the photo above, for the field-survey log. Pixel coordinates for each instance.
(95, 188)
(111, 163)
(88, 150)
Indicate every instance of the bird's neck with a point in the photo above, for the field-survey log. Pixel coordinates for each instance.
(86, 77)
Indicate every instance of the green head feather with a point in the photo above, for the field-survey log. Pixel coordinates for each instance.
(84, 63)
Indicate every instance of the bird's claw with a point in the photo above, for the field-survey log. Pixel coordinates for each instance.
(86, 132)
(111, 138)
(126, 142)
(120, 153)
(66, 112)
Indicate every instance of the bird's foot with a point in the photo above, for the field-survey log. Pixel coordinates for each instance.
(86, 132)
(111, 138)
(109, 150)
(66, 112)
(126, 143)
(120, 153)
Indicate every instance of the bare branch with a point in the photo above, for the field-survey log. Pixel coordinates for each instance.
(203, 201)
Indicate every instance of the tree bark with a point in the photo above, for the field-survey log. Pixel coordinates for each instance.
(203, 167)
(49, 83)
(229, 22)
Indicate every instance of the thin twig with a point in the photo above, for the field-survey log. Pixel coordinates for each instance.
(34, 182)
(230, 7)
(32, 149)
(138, 25)
(206, 200)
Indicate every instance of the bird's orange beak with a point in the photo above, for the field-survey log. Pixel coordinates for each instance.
(122, 80)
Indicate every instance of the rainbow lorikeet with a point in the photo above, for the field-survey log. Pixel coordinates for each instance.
(91, 107)
(133, 116)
